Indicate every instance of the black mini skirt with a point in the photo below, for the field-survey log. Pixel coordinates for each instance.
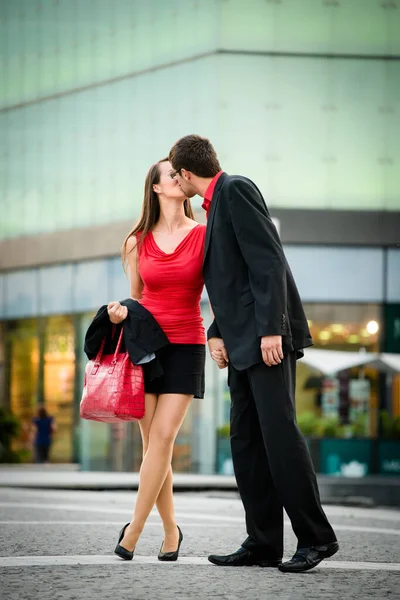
(183, 371)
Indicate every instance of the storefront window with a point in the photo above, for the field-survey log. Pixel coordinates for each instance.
(58, 377)
(22, 348)
(351, 396)
(3, 380)
(344, 326)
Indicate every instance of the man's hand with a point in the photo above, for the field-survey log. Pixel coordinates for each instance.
(218, 352)
(271, 349)
(117, 312)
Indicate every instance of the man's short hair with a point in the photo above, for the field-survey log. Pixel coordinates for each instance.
(195, 154)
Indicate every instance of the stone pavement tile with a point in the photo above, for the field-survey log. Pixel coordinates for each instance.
(149, 582)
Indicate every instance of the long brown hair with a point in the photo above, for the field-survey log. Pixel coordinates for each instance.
(150, 209)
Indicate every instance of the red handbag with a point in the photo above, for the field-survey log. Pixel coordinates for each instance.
(114, 388)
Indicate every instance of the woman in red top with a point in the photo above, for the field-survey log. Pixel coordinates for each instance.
(164, 255)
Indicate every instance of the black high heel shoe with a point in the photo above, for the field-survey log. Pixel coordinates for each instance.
(120, 550)
(171, 556)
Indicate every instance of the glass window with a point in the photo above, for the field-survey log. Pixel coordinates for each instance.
(393, 275)
(100, 447)
(338, 274)
(90, 285)
(55, 289)
(21, 293)
(22, 339)
(350, 397)
(2, 289)
(366, 27)
(55, 46)
(344, 326)
(3, 388)
(118, 281)
(58, 382)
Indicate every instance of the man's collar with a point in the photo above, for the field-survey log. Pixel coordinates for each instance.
(208, 194)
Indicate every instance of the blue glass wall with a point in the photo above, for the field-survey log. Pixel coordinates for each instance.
(322, 275)
(92, 96)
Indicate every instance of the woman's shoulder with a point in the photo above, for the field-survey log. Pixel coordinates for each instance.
(201, 228)
(197, 232)
(134, 244)
(132, 241)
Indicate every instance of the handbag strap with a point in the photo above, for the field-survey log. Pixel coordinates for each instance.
(97, 360)
(100, 352)
(119, 343)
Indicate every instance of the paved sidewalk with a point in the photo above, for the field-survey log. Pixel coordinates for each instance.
(54, 477)
(366, 491)
(58, 545)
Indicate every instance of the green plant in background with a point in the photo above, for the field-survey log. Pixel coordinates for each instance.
(312, 426)
(329, 427)
(390, 426)
(359, 427)
(307, 423)
(224, 431)
(9, 429)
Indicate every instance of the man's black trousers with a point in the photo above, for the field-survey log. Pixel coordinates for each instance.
(271, 460)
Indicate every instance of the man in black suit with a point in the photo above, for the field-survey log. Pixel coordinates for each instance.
(259, 330)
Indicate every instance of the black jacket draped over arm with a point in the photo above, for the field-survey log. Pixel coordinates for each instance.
(142, 336)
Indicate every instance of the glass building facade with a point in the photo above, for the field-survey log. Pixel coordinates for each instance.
(46, 311)
(94, 92)
(302, 97)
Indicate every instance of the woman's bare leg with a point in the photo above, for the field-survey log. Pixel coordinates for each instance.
(168, 417)
(165, 500)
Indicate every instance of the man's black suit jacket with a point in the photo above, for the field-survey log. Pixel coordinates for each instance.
(248, 280)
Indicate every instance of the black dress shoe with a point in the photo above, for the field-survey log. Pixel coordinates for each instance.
(120, 550)
(171, 556)
(243, 558)
(307, 558)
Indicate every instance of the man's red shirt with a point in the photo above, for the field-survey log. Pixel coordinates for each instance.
(210, 192)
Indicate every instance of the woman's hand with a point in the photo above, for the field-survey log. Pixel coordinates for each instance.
(218, 352)
(219, 358)
(117, 312)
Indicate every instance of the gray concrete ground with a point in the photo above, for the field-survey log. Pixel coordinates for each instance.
(59, 544)
(362, 491)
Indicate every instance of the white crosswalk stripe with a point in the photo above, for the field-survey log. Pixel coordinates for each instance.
(100, 559)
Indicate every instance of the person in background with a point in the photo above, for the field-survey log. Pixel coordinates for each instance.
(44, 427)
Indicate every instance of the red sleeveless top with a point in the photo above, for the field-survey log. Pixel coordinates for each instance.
(173, 284)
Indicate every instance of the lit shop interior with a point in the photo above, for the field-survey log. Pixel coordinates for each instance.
(43, 358)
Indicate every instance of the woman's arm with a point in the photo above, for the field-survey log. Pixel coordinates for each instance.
(136, 283)
(116, 311)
